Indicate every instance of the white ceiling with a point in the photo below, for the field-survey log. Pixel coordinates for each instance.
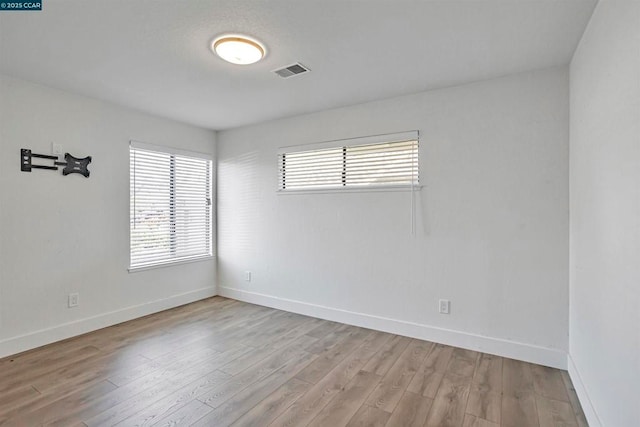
(153, 55)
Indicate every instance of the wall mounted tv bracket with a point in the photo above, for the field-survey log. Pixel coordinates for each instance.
(71, 164)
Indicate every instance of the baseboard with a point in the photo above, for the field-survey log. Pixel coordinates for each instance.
(42, 337)
(501, 347)
(587, 407)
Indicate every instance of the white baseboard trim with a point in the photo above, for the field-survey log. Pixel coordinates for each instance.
(587, 406)
(42, 337)
(501, 347)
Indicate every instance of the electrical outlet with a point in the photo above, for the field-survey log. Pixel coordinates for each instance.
(444, 306)
(56, 149)
(74, 299)
(247, 276)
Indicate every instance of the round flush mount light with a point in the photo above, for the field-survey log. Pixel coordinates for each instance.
(238, 49)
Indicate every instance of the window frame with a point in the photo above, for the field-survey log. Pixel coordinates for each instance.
(350, 143)
(173, 152)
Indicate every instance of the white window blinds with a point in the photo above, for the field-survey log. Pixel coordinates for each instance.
(171, 205)
(381, 164)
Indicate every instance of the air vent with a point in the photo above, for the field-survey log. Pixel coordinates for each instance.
(291, 70)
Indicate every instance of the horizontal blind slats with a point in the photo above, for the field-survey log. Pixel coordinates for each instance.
(387, 163)
(352, 168)
(380, 157)
(171, 212)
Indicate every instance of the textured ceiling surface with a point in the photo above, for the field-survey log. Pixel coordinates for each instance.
(153, 55)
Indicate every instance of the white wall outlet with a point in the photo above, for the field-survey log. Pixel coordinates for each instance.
(247, 276)
(56, 149)
(444, 306)
(74, 299)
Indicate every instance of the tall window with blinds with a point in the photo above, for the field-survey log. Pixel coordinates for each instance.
(392, 164)
(171, 206)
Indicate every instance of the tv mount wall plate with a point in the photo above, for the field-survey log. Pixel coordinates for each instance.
(71, 164)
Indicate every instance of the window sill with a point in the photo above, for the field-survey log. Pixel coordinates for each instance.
(170, 263)
(368, 189)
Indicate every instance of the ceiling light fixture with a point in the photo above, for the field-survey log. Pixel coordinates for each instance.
(238, 49)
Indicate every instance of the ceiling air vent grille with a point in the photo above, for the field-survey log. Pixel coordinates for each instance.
(291, 70)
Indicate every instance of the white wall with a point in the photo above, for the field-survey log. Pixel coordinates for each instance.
(70, 234)
(605, 216)
(492, 225)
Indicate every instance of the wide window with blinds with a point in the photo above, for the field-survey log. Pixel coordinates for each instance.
(171, 206)
(390, 162)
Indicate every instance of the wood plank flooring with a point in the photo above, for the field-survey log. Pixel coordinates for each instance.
(220, 362)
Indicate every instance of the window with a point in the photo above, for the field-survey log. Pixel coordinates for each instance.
(356, 163)
(170, 205)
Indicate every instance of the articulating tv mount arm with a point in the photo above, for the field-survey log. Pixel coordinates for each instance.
(71, 164)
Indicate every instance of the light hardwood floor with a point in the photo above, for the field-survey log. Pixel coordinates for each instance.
(221, 362)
